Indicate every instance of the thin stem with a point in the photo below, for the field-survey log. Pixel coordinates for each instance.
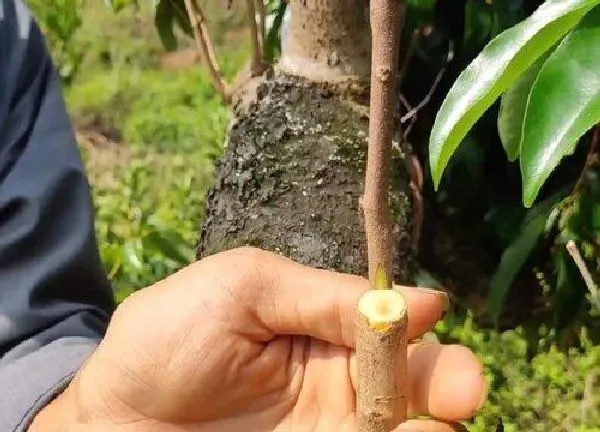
(591, 161)
(583, 269)
(387, 18)
(206, 49)
(257, 63)
(416, 186)
(413, 112)
(262, 27)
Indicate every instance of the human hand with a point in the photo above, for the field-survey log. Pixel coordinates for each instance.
(250, 341)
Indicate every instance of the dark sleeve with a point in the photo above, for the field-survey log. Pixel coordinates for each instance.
(55, 299)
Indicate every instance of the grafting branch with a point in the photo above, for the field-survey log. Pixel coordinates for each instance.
(387, 17)
(206, 48)
(381, 311)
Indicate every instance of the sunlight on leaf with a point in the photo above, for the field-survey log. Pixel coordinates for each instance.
(563, 105)
(498, 66)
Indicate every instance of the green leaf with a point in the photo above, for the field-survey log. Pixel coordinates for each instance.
(515, 256)
(498, 66)
(118, 5)
(132, 251)
(273, 39)
(164, 19)
(563, 105)
(169, 243)
(512, 109)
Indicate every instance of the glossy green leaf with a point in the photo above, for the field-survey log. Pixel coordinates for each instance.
(164, 20)
(515, 256)
(563, 105)
(498, 66)
(512, 109)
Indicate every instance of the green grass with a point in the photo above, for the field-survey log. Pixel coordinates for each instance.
(166, 127)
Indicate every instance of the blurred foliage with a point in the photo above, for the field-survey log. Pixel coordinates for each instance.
(60, 24)
(149, 193)
(553, 391)
(482, 187)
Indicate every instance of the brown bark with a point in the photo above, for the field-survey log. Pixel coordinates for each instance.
(328, 40)
(387, 17)
(258, 65)
(381, 361)
(381, 345)
(206, 48)
(292, 174)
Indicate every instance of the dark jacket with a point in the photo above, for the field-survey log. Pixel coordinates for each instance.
(55, 299)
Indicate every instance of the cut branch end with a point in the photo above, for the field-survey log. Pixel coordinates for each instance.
(382, 309)
(381, 360)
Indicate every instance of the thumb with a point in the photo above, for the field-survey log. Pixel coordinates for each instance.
(294, 299)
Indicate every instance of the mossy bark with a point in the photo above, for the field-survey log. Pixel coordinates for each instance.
(292, 175)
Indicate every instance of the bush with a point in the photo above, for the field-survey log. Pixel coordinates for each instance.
(60, 20)
(149, 193)
(148, 205)
(554, 391)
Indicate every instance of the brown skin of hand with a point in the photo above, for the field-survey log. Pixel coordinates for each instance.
(249, 340)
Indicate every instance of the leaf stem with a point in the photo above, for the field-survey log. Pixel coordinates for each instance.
(583, 269)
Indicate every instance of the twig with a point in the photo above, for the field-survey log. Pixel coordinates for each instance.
(262, 27)
(381, 319)
(206, 49)
(426, 99)
(416, 186)
(257, 59)
(381, 342)
(583, 269)
(386, 19)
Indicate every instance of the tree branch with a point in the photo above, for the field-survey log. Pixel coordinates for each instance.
(262, 27)
(386, 20)
(206, 49)
(381, 318)
(257, 50)
(583, 269)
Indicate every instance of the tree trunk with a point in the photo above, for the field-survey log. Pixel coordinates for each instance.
(292, 174)
(327, 40)
(293, 170)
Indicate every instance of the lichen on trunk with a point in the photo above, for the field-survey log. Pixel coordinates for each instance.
(292, 174)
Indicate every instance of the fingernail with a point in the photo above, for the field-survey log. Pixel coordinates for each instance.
(442, 295)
